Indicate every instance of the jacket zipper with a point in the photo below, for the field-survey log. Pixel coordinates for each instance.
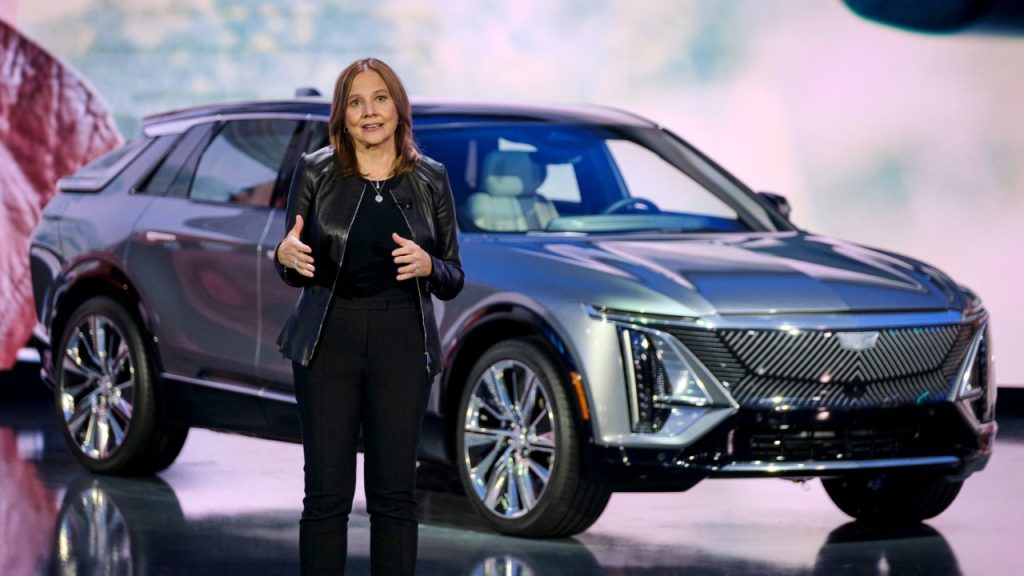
(419, 294)
(337, 273)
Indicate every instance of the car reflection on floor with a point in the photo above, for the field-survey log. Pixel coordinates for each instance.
(231, 506)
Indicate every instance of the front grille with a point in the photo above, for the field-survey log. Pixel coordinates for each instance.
(810, 355)
(812, 369)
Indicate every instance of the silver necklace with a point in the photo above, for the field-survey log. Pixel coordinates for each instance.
(378, 187)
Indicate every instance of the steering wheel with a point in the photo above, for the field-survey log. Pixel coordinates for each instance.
(628, 204)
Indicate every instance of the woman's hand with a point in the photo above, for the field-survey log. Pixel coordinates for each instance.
(292, 253)
(416, 260)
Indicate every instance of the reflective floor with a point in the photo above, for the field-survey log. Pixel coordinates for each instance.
(230, 505)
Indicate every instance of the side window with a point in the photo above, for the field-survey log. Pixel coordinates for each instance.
(172, 176)
(240, 166)
(318, 137)
(647, 176)
(109, 164)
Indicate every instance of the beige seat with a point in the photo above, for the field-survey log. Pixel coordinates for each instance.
(509, 201)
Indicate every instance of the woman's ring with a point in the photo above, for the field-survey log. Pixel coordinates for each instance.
(295, 263)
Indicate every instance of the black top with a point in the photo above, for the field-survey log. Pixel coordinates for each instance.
(368, 268)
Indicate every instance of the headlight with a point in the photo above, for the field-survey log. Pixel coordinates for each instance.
(975, 378)
(660, 374)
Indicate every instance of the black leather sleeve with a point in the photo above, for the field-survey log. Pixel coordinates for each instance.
(300, 195)
(446, 278)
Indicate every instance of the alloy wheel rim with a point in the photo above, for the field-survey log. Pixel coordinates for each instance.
(509, 439)
(97, 388)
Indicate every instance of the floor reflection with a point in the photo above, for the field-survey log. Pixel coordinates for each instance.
(230, 505)
(866, 551)
(27, 509)
(131, 526)
(135, 526)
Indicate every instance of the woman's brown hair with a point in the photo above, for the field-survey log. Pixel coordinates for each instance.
(406, 152)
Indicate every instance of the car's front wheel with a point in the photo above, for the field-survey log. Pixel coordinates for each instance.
(106, 393)
(892, 498)
(519, 452)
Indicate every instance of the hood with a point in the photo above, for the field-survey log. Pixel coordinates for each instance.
(755, 274)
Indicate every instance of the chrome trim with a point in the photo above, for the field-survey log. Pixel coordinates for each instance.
(155, 236)
(858, 341)
(817, 466)
(973, 394)
(606, 314)
(28, 355)
(261, 393)
(277, 396)
(41, 333)
(666, 401)
(965, 368)
(163, 128)
(627, 352)
(838, 320)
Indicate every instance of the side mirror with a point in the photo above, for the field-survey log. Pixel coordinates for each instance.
(779, 202)
(306, 91)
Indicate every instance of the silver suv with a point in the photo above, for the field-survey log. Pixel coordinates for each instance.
(634, 318)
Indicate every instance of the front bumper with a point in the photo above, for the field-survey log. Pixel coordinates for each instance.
(809, 443)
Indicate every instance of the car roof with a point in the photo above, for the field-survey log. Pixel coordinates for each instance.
(425, 111)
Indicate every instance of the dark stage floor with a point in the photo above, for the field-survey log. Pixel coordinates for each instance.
(230, 505)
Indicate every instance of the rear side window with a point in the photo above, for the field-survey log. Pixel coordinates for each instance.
(98, 173)
(174, 174)
(110, 163)
(242, 162)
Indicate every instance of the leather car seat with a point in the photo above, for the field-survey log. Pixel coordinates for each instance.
(509, 201)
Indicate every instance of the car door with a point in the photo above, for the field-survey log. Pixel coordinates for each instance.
(196, 251)
(278, 298)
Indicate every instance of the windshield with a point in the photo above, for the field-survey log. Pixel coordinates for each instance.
(516, 178)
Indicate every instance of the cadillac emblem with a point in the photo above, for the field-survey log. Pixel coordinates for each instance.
(857, 341)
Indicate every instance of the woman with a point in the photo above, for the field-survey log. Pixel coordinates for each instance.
(371, 238)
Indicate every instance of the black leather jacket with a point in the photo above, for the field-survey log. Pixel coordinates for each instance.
(328, 205)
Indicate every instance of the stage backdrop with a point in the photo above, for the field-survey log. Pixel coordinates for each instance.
(894, 139)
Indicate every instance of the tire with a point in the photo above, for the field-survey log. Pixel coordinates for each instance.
(504, 452)
(894, 498)
(106, 396)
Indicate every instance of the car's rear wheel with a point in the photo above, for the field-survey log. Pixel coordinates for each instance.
(106, 393)
(893, 498)
(518, 447)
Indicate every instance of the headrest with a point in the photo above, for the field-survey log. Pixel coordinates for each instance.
(511, 173)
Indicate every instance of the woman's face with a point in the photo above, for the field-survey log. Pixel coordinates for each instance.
(370, 114)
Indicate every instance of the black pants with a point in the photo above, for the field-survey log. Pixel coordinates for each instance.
(369, 371)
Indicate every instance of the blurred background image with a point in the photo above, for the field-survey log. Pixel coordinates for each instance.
(900, 140)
